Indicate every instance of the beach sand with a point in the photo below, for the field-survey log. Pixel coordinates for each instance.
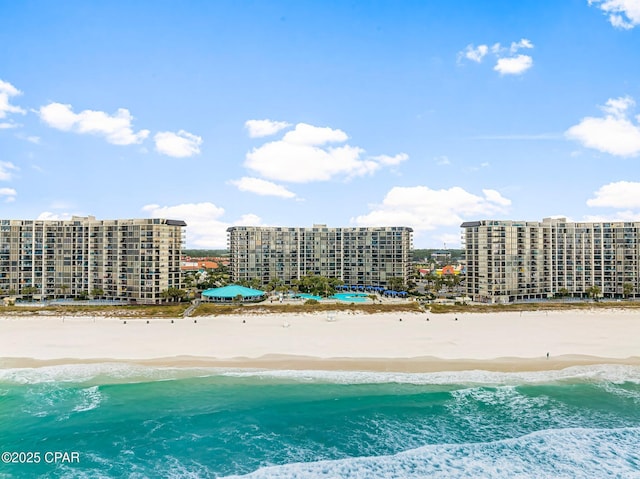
(416, 342)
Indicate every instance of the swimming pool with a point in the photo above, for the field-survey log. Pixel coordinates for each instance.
(352, 297)
(348, 297)
(309, 296)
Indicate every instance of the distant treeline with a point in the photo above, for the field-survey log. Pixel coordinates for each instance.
(418, 254)
(204, 253)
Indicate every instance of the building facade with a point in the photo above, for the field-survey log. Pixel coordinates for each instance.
(133, 260)
(358, 256)
(511, 260)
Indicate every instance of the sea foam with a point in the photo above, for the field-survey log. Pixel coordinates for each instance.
(612, 373)
(566, 453)
(109, 372)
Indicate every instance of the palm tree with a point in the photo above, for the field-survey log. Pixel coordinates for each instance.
(173, 294)
(396, 283)
(96, 292)
(29, 291)
(594, 292)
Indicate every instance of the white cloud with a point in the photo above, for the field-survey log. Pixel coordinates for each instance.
(302, 155)
(620, 194)
(6, 170)
(49, 216)
(261, 128)
(9, 194)
(391, 160)
(262, 187)
(626, 215)
(523, 43)
(507, 62)
(472, 169)
(513, 65)
(115, 128)
(622, 13)
(31, 139)
(179, 145)
(425, 209)
(475, 54)
(6, 125)
(309, 135)
(615, 133)
(442, 160)
(7, 90)
(618, 107)
(205, 228)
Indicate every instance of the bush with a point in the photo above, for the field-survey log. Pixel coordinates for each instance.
(311, 301)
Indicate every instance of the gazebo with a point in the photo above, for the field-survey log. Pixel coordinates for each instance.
(229, 293)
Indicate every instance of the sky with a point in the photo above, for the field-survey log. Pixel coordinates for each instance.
(286, 113)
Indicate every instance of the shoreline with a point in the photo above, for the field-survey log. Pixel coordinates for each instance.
(383, 342)
(305, 363)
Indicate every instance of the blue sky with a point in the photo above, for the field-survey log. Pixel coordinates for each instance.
(414, 113)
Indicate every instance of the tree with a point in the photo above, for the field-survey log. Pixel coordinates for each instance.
(627, 289)
(594, 292)
(29, 291)
(97, 292)
(316, 285)
(274, 284)
(562, 292)
(64, 288)
(173, 294)
(396, 283)
(250, 283)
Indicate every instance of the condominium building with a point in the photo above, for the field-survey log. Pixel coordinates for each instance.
(358, 256)
(519, 260)
(133, 260)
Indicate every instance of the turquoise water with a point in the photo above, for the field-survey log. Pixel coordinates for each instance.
(138, 422)
(350, 297)
(309, 296)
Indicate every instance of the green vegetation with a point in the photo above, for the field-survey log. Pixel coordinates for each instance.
(176, 310)
(138, 311)
(205, 253)
(316, 285)
(421, 254)
(173, 294)
(538, 306)
(594, 292)
(211, 309)
(396, 284)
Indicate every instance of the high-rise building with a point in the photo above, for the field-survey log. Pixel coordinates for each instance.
(358, 256)
(134, 260)
(519, 260)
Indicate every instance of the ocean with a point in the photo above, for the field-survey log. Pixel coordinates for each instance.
(118, 420)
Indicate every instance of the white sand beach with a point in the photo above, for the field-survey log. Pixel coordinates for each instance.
(387, 342)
